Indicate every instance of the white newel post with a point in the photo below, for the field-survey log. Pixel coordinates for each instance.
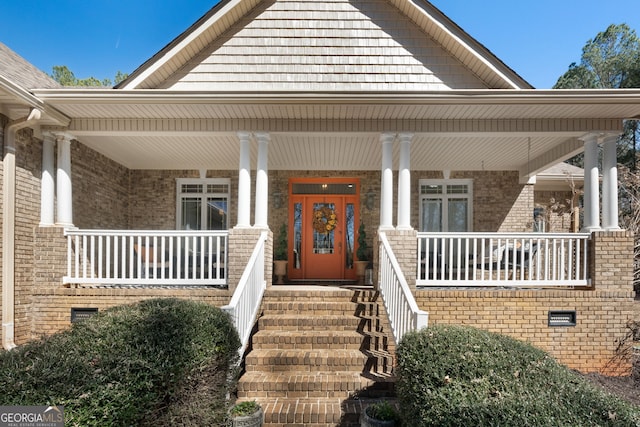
(244, 181)
(610, 184)
(404, 182)
(47, 186)
(591, 184)
(63, 181)
(386, 184)
(262, 181)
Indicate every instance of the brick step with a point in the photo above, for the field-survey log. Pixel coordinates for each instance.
(316, 307)
(341, 384)
(307, 340)
(285, 293)
(308, 323)
(276, 360)
(315, 412)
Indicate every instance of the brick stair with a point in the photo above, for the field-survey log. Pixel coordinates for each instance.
(319, 355)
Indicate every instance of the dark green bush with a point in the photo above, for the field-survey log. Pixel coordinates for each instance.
(462, 376)
(123, 365)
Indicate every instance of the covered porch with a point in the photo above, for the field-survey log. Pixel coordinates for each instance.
(496, 140)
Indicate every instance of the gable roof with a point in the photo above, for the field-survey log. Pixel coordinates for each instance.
(17, 78)
(342, 45)
(17, 69)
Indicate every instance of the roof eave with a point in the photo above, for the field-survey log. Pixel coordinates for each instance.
(29, 100)
(484, 96)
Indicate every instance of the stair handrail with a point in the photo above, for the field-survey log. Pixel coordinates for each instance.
(402, 308)
(247, 297)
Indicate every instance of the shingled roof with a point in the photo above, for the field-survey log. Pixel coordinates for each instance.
(17, 69)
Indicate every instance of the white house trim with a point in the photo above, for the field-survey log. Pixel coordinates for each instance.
(386, 182)
(63, 181)
(610, 183)
(591, 184)
(262, 181)
(48, 186)
(404, 182)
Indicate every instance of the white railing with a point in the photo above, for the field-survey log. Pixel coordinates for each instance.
(402, 309)
(503, 259)
(146, 257)
(245, 302)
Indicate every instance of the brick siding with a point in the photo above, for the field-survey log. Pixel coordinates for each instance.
(590, 346)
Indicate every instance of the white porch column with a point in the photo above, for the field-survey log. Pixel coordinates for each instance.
(262, 181)
(610, 184)
(591, 184)
(63, 181)
(404, 182)
(386, 184)
(244, 181)
(47, 186)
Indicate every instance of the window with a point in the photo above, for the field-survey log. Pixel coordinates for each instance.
(202, 204)
(539, 225)
(446, 205)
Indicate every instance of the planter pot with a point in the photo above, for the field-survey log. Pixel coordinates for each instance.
(361, 266)
(253, 420)
(280, 270)
(367, 421)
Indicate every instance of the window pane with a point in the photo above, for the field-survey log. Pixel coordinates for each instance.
(431, 215)
(458, 215)
(217, 188)
(323, 233)
(216, 213)
(457, 189)
(191, 188)
(297, 235)
(191, 214)
(431, 189)
(350, 233)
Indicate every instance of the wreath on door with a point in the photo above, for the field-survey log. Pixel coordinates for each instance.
(324, 220)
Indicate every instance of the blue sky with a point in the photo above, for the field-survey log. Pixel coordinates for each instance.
(536, 38)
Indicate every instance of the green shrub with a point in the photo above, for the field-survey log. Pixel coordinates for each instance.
(460, 376)
(122, 365)
(382, 411)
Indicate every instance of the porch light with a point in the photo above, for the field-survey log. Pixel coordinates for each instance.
(277, 200)
(370, 199)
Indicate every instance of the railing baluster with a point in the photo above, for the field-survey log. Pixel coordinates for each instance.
(496, 259)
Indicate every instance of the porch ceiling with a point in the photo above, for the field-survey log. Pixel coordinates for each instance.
(523, 130)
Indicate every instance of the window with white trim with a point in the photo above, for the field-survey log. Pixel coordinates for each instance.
(446, 205)
(202, 204)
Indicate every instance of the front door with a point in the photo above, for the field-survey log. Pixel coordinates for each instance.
(323, 214)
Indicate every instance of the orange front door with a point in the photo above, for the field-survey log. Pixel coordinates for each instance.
(322, 229)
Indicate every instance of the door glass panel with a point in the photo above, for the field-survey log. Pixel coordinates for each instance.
(297, 235)
(324, 223)
(191, 213)
(431, 215)
(349, 235)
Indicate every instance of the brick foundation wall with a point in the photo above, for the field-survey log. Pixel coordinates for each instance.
(590, 346)
(52, 307)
